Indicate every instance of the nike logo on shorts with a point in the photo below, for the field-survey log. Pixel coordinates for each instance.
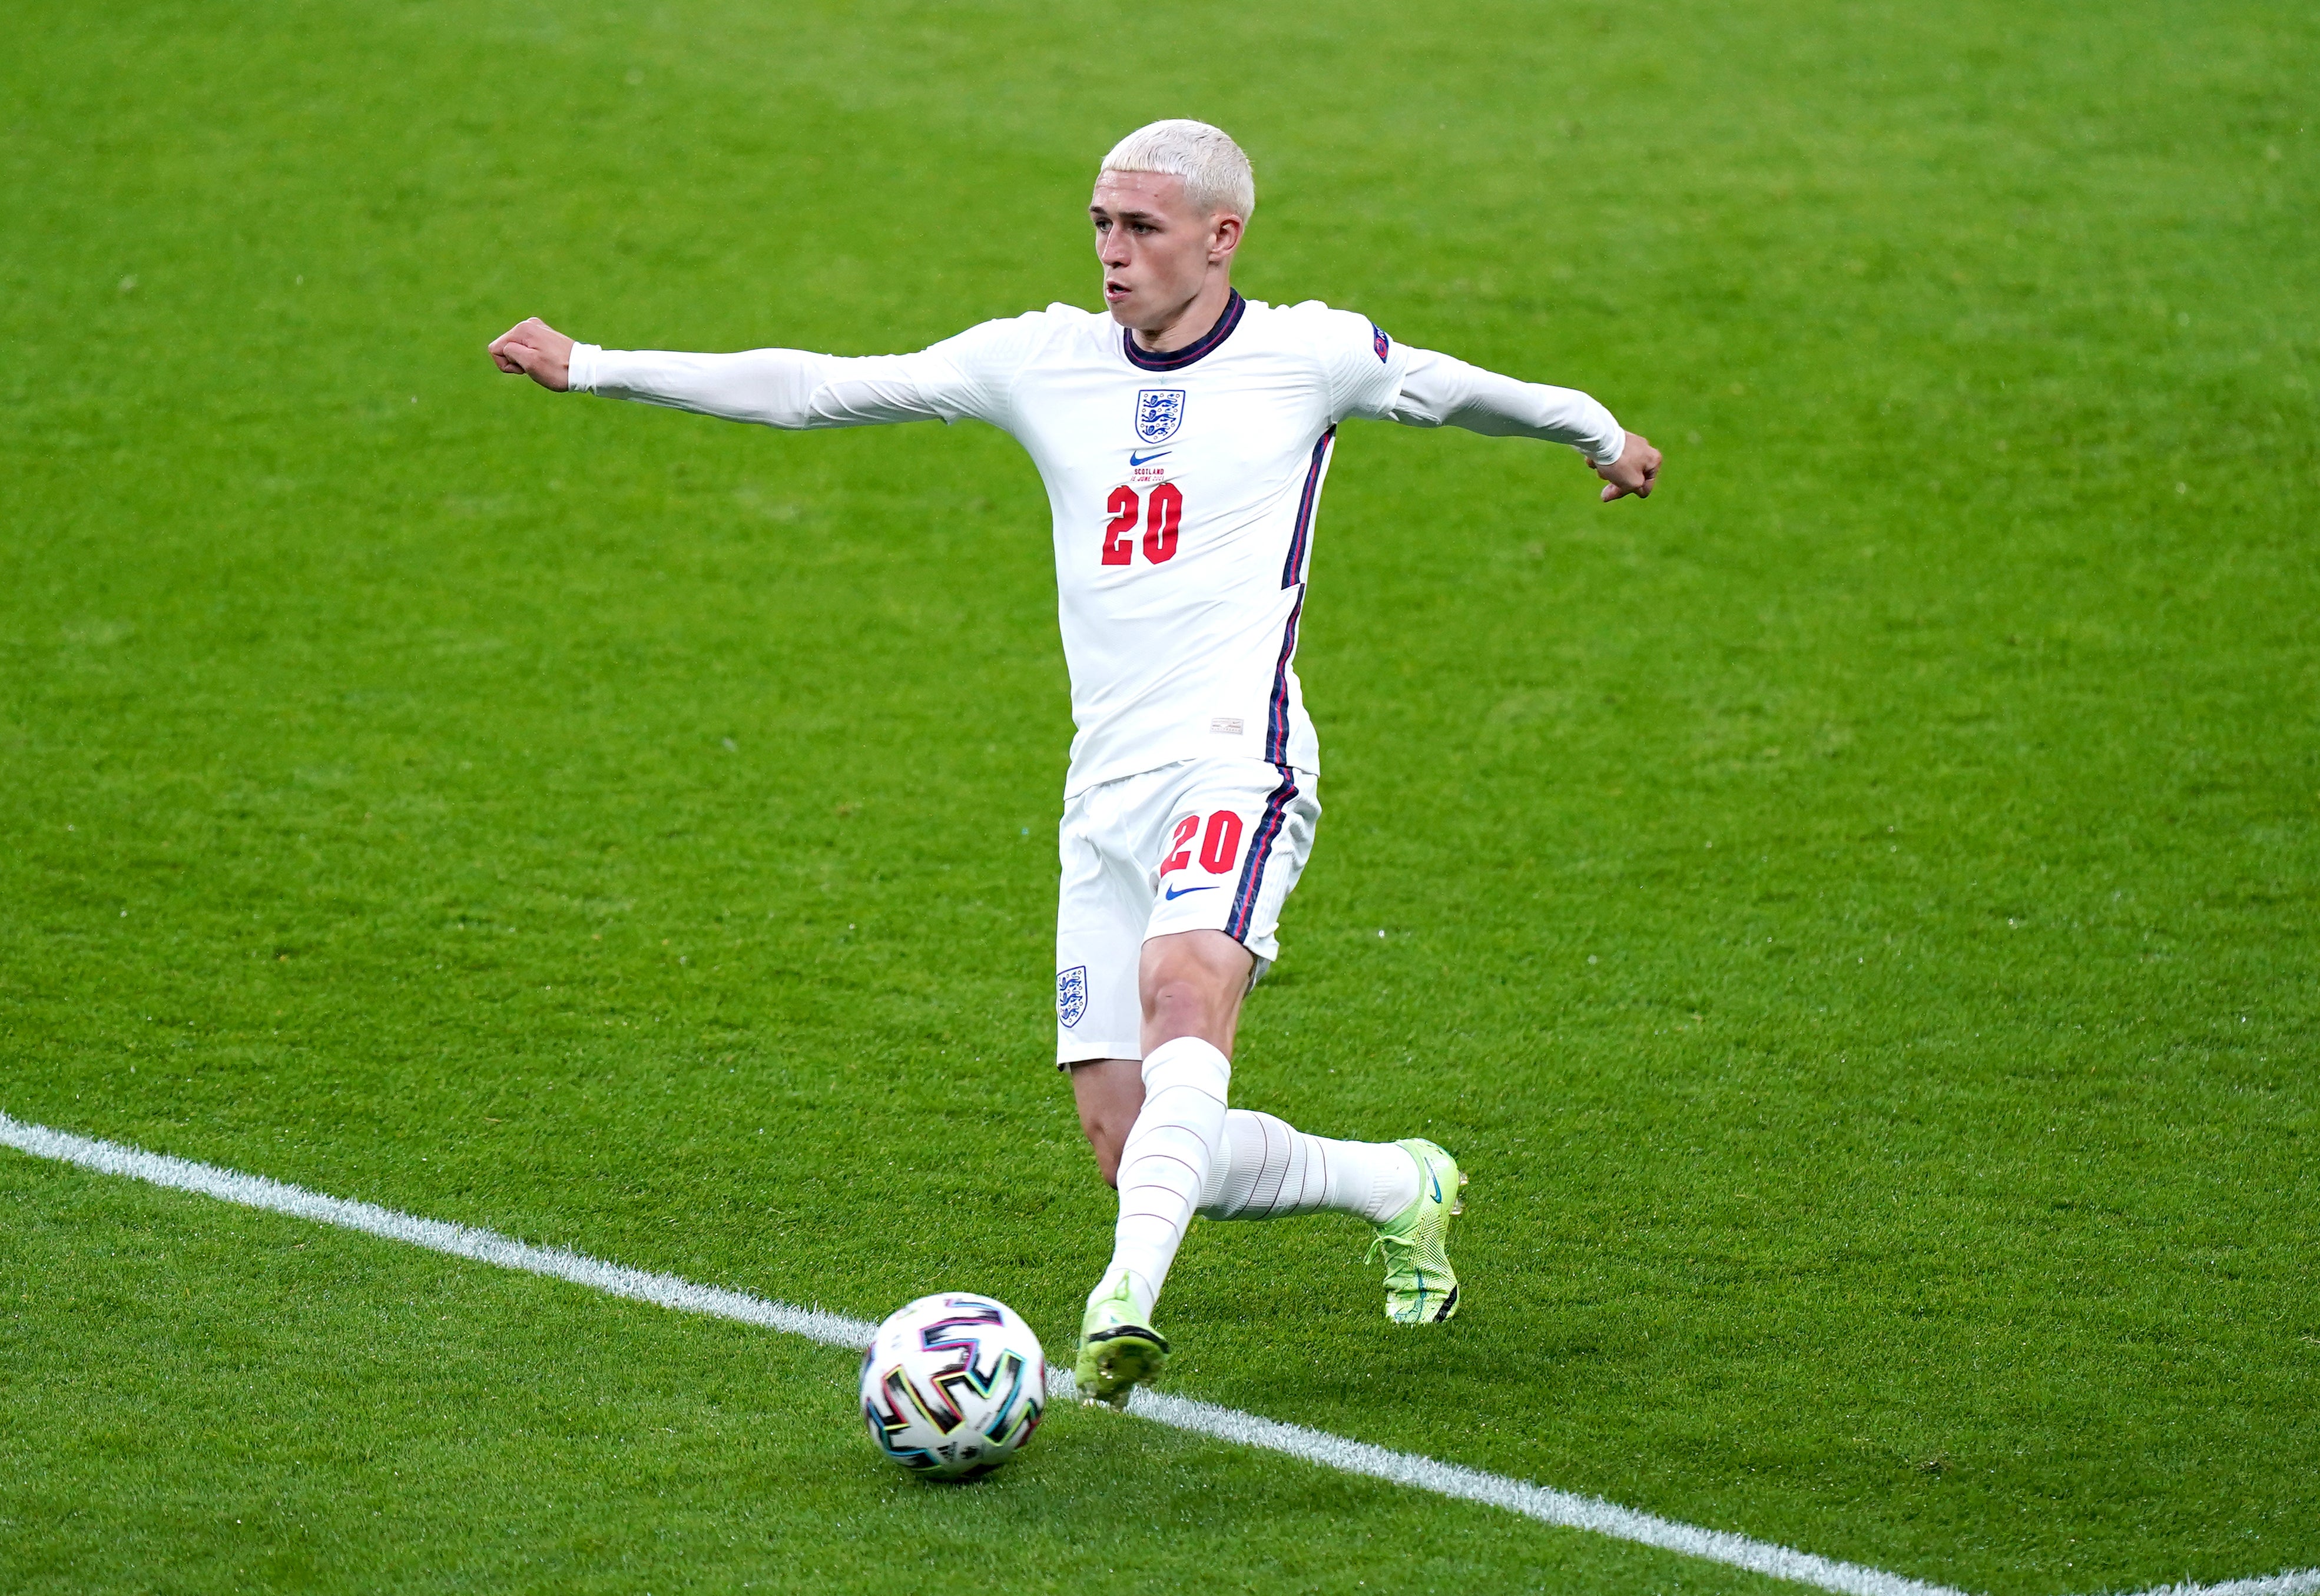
(1175, 893)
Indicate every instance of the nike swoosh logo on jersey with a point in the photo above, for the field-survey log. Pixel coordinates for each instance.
(1136, 459)
(1175, 893)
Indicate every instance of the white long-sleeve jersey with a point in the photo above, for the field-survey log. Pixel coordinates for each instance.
(1183, 486)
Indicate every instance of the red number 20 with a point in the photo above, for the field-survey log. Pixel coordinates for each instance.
(1166, 514)
(1219, 848)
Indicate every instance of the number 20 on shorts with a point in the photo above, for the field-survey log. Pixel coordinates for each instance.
(1219, 847)
(1162, 514)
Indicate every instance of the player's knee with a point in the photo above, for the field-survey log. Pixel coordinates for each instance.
(1192, 1004)
(1177, 1000)
(1186, 985)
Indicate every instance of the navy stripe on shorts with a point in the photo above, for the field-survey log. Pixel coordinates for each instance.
(1260, 850)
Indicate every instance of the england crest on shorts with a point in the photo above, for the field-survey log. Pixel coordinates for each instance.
(1159, 412)
(1071, 996)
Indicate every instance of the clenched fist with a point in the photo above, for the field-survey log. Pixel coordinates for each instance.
(537, 350)
(1637, 470)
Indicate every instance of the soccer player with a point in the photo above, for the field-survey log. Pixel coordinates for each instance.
(1183, 434)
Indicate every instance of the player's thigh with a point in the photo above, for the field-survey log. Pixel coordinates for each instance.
(1236, 838)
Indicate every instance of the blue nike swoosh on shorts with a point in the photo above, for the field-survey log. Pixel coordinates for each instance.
(1175, 893)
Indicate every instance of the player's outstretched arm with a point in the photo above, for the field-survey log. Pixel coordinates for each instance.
(533, 348)
(1439, 391)
(791, 389)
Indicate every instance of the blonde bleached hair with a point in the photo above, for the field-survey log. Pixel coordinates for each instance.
(1216, 172)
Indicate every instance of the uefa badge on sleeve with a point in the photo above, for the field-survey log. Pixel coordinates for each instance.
(1071, 996)
(1159, 412)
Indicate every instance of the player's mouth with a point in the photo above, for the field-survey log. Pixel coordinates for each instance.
(1114, 290)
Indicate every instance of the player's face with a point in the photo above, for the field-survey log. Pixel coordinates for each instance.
(1156, 250)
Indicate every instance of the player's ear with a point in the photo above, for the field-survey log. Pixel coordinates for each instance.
(1224, 235)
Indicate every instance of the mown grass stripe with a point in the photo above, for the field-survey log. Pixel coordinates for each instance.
(1561, 1508)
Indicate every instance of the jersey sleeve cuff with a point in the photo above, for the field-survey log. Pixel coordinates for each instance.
(582, 377)
(1619, 448)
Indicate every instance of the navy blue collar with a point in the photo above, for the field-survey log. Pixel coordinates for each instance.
(1177, 359)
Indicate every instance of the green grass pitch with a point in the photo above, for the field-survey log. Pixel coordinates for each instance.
(1855, 915)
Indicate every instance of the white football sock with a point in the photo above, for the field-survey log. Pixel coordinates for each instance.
(1167, 1159)
(1267, 1168)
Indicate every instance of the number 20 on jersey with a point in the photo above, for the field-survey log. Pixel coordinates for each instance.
(1161, 511)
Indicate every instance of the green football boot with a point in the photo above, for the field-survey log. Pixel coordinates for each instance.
(1118, 1348)
(1419, 1285)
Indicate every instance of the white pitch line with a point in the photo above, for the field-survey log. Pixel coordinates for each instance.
(1561, 1508)
(2296, 1581)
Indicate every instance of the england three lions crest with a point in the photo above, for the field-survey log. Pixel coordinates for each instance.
(1159, 412)
(1071, 996)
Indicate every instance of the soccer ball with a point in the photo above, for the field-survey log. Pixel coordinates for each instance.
(953, 1385)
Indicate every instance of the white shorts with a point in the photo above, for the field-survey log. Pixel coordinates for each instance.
(1201, 845)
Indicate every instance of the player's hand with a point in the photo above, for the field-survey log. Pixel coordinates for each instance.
(533, 348)
(1635, 471)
